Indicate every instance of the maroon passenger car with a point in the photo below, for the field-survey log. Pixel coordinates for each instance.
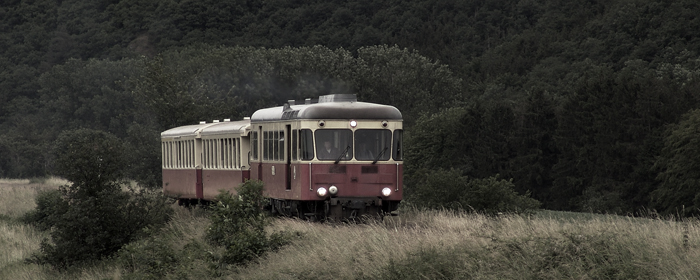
(337, 158)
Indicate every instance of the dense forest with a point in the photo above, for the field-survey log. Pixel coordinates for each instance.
(585, 105)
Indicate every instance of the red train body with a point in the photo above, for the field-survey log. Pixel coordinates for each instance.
(337, 158)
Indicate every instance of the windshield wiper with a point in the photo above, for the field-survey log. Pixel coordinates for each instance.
(342, 155)
(380, 155)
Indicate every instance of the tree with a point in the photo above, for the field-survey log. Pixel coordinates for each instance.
(94, 217)
(678, 165)
(441, 188)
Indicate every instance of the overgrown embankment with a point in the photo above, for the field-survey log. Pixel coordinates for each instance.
(415, 245)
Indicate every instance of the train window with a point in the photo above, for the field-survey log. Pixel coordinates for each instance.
(275, 145)
(265, 142)
(372, 144)
(235, 146)
(398, 144)
(254, 144)
(334, 144)
(294, 144)
(306, 144)
(223, 149)
(280, 142)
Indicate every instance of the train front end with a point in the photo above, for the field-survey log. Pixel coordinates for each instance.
(344, 161)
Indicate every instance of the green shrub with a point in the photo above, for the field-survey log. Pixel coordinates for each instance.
(97, 226)
(449, 189)
(92, 218)
(238, 224)
(49, 206)
(150, 258)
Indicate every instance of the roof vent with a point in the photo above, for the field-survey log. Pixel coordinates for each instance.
(246, 118)
(216, 121)
(307, 101)
(202, 122)
(291, 102)
(337, 98)
(227, 120)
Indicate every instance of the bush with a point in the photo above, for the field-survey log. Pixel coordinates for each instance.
(92, 217)
(49, 206)
(449, 189)
(97, 226)
(238, 224)
(151, 258)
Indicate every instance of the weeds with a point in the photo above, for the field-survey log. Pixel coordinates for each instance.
(418, 244)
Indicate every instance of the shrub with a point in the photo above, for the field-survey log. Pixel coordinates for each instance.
(449, 189)
(92, 217)
(150, 258)
(238, 224)
(49, 206)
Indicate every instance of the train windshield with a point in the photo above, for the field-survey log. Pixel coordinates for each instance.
(334, 144)
(373, 144)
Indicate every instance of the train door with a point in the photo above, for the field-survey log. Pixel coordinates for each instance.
(288, 149)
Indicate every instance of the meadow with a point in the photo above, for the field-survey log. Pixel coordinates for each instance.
(415, 245)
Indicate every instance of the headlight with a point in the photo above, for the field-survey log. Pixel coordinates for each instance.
(386, 192)
(333, 190)
(321, 191)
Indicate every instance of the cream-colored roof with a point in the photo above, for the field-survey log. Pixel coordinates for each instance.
(226, 127)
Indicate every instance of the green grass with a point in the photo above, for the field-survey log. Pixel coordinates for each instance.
(415, 245)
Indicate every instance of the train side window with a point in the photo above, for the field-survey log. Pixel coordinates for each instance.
(166, 162)
(306, 144)
(266, 150)
(276, 145)
(254, 145)
(398, 145)
(294, 144)
(280, 142)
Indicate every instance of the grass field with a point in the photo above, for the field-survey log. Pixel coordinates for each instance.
(416, 245)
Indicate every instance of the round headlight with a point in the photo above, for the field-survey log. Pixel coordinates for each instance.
(322, 191)
(333, 190)
(386, 192)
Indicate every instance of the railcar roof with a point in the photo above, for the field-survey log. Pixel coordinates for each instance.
(207, 129)
(236, 127)
(187, 130)
(328, 110)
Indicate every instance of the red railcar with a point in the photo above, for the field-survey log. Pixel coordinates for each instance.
(337, 158)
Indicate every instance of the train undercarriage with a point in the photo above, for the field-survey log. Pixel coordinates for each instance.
(334, 209)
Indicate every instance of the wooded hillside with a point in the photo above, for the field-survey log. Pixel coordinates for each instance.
(587, 105)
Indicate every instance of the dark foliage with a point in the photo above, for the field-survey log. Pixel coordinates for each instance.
(93, 217)
(569, 99)
(49, 208)
(451, 190)
(678, 191)
(238, 224)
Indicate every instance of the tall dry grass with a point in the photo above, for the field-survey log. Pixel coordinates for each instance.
(19, 241)
(415, 245)
(17, 195)
(446, 245)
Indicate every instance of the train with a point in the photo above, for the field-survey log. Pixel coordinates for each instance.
(330, 158)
